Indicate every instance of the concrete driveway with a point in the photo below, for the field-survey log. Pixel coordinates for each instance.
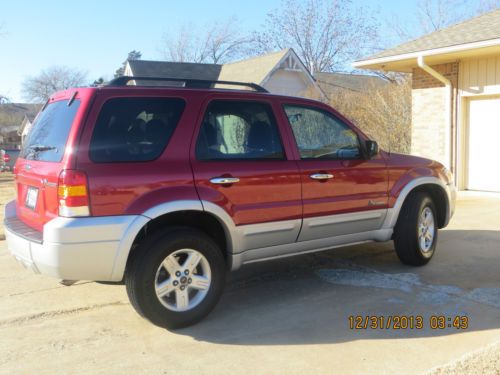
(286, 316)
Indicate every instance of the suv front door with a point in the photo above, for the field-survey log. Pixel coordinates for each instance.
(343, 193)
(240, 165)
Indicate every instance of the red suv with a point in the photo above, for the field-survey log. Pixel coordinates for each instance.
(167, 188)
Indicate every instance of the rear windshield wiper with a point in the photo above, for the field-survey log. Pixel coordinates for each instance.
(41, 148)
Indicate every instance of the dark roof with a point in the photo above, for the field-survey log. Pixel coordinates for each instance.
(485, 27)
(252, 70)
(331, 83)
(147, 68)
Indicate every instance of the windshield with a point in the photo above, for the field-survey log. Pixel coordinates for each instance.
(47, 138)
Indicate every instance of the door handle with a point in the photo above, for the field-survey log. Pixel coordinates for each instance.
(224, 180)
(321, 176)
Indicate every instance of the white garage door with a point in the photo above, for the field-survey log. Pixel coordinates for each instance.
(484, 144)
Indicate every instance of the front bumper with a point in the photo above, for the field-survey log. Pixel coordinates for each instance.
(73, 248)
(451, 191)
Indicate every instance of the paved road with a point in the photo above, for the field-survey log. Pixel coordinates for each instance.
(286, 316)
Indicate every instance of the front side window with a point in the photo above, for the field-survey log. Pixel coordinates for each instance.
(238, 130)
(134, 129)
(319, 135)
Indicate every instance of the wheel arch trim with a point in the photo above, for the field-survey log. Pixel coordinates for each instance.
(152, 213)
(393, 213)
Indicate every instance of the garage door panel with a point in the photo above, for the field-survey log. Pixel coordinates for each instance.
(484, 145)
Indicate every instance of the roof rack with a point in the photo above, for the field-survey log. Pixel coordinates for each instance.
(189, 83)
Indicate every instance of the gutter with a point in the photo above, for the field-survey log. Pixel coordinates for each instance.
(448, 106)
(427, 53)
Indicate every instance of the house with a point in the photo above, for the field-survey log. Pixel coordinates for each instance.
(334, 83)
(10, 138)
(455, 97)
(279, 72)
(14, 120)
(25, 126)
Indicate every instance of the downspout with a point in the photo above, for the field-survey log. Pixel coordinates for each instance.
(448, 108)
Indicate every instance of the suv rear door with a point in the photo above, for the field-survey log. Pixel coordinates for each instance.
(342, 192)
(241, 159)
(135, 149)
(44, 155)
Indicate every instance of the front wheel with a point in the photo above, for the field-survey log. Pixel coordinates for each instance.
(175, 279)
(416, 232)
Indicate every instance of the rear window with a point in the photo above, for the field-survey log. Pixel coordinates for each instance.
(134, 129)
(47, 138)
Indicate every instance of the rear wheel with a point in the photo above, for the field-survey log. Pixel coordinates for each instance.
(176, 279)
(416, 232)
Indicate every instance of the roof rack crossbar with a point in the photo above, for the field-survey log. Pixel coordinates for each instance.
(123, 80)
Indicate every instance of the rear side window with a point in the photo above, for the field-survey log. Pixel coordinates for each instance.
(134, 129)
(47, 138)
(237, 130)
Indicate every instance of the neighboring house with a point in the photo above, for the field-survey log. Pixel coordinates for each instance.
(25, 126)
(10, 138)
(335, 83)
(455, 97)
(279, 72)
(14, 118)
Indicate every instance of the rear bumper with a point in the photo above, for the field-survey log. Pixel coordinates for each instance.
(74, 248)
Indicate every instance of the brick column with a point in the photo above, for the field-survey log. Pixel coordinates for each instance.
(428, 112)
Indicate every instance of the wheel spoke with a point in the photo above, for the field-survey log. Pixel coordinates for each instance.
(182, 298)
(192, 261)
(423, 245)
(164, 288)
(427, 219)
(189, 281)
(171, 264)
(199, 282)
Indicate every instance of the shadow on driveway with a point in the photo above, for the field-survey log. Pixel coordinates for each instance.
(308, 299)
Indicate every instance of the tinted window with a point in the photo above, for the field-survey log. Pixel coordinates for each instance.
(47, 138)
(134, 129)
(319, 135)
(238, 130)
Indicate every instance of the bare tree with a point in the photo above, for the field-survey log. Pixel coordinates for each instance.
(39, 88)
(325, 34)
(384, 113)
(487, 6)
(217, 43)
(434, 15)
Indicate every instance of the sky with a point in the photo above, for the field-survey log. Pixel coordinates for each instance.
(96, 35)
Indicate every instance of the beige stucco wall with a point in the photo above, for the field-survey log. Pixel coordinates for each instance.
(479, 76)
(429, 125)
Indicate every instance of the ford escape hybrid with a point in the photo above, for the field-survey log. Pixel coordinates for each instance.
(167, 188)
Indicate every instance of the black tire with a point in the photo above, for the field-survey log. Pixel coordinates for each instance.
(406, 232)
(141, 274)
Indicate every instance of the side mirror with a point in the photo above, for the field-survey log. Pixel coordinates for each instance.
(371, 148)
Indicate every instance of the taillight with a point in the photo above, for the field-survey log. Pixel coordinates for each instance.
(72, 194)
